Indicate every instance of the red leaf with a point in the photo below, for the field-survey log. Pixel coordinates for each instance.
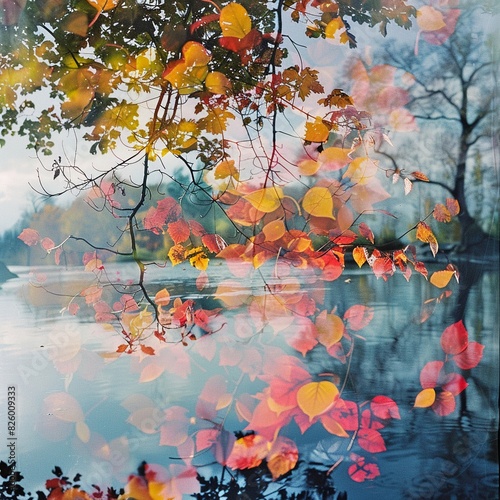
(429, 376)
(366, 232)
(361, 471)
(453, 206)
(455, 338)
(420, 268)
(384, 407)
(204, 20)
(213, 242)
(29, 236)
(368, 422)
(179, 231)
(371, 440)
(454, 383)
(444, 404)
(470, 357)
(346, 414)
(167, 210)
(47, 244)
(383, 268)
(358, 317)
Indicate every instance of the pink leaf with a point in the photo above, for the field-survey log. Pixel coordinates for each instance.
(429, 375)
(455, 338)
(470, 357)
(29, 236)
(384, 407)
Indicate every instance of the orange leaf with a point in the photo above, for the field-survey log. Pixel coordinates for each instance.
(330, 328)
(425, 234)
(282, 457)
(333, 426)
(358, 316)
(420, 176)
(314, 398)
(429, 19)
(103, 5)
(359, 256)
(425, 398)
(162, 298)
(274, 230)
(179, 231)
(441, 279)
(441, 213)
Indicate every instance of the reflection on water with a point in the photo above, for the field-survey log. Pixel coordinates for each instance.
(62, 363)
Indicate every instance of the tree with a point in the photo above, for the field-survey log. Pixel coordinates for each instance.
(452, 97)
(288, 164)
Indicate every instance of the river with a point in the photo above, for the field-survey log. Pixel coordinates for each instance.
(47, 355)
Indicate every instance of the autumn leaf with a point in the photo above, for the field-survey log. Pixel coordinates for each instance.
(384, 407)
(361, 470)
(455, 338)
(445, 404)
(358, 317)
(371, 440)
(429, 18)
(248, 452)
(314, 398)
(441, 213)
(282, 457)
(470, 357)
(318, 202)
(179, 231)
(162, 297)
(425, 398)
(425, 234)
(330, 328)
(63, 406)
(361, 170)
(366, 232)
(359, 255)
(430, 374)
(453, 206)
(266, 200)
(29, 236)
(316, 131)
(235, 21)
(440, 279)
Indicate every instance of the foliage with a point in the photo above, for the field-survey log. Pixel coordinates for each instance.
(214, 94)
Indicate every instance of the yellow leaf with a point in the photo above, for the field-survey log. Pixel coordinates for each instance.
(176, 254)
(359, 256)
(330, 328)
(308, 167)
(334, 158)
(274, 230)
(235, 21)
(314, 398)
(318, 202)
(335, 29)
(430, 19)
(316, 131)
(361, 170)
(425, 398)
(266, 199)
(225, 169)
(82, 431)
(441, 278)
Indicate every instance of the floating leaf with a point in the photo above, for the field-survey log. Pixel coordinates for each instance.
(430, 374)
(315, 398)
(330, 328)
(282, 457)
(371, 440)
(318, 202)
(470, 357)
(425, 398)
(454, 383)
(444, 404)
(455, 338)
(384, 407)
(64, 407)
(358, 317)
